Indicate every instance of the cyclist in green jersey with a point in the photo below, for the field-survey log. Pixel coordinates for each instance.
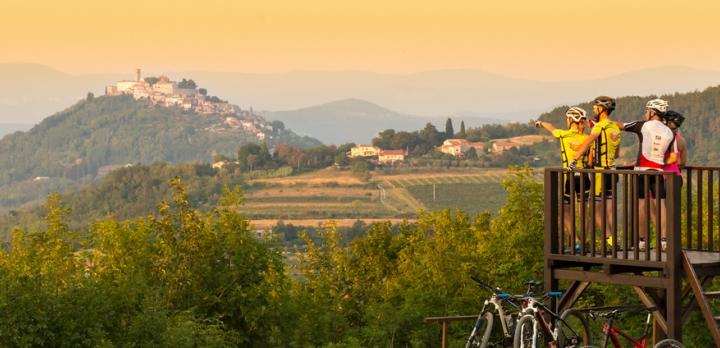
(604, 139)
(570, 140)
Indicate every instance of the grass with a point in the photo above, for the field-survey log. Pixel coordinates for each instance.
(471, 198)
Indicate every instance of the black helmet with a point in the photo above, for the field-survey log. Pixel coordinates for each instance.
(674, 117)
(607, 102)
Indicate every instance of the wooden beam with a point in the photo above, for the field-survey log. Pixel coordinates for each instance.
(571, 296)
(616, 279)
(648, 302)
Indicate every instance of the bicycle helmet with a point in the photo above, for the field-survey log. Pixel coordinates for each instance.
(674, 117)
(605, 101)
(576, 114)
(658, 105)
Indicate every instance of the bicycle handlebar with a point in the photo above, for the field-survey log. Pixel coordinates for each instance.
(485, 285)
(615, 311)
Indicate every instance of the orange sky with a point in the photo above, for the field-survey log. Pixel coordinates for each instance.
(548, 39)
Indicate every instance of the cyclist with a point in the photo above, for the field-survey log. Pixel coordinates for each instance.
(656, 144)
(674, 120)
(570, 140)
(604, 139)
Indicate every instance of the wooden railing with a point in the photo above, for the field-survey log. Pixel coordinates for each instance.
(700, 226)
(579, 224)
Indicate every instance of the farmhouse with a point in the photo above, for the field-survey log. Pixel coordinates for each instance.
(458, 147)
(391, 156)
(364, 151)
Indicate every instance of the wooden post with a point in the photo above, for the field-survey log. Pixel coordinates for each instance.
(444, 333)
(674, 251)
(551, 229)
(433, 192)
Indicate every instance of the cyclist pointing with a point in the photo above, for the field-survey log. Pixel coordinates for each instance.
(570, 141)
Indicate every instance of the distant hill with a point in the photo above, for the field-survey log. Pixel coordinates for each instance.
(7, 128)
(30, 92)
(76, 143)
(700, 129)
(358, 121)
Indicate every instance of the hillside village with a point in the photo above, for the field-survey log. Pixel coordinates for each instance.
(161, 91)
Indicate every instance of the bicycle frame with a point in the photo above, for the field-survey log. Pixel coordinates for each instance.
(611, 333)
(538, 310)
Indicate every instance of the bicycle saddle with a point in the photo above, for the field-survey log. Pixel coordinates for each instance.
(533, 283)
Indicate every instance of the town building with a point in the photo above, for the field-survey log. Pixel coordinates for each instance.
(167, 93)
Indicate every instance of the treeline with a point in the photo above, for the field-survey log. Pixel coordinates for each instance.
(187, 278)
(425, 141)
(253, 156)
(700, 129)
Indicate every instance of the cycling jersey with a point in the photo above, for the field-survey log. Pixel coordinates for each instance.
(675, 168)
(606, 144)
(656, 139)
(570, 142)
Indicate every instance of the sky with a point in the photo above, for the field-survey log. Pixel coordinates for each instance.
(545, 40)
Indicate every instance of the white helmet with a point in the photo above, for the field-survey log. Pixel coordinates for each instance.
(660, 106)
(576, 114)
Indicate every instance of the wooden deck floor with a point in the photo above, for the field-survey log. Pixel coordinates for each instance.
(696, 257)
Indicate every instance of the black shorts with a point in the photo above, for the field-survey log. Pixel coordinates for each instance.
(651, 182)
(604, 181)
(577, 177)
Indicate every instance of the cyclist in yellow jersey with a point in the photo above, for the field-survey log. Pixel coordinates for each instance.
(570, 140)
(604, 140)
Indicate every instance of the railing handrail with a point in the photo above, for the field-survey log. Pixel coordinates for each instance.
(694, 202)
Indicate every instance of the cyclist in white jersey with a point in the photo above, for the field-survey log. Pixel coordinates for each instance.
(656, 141)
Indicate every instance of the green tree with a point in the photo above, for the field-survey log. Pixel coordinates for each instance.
(471, 154)
(152, 80)
(189, 84)
(449, 131)
(462, 134)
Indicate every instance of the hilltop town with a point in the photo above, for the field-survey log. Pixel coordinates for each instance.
(185, 94)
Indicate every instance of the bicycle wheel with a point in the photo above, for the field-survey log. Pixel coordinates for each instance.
(669, 343)
(573, 330)
(481, 333)
(527, 334)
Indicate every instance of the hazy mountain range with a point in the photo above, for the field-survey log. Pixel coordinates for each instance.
(30, 92)
(358, 121)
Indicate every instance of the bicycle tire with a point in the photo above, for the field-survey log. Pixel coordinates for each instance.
(486, 329)
(573, 329)
(524, 333)
(669, 343)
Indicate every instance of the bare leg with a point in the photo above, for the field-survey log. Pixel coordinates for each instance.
(663, 217)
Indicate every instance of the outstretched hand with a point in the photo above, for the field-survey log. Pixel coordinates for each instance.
(572, 166)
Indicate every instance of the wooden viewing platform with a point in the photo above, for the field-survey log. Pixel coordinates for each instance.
(673, 279)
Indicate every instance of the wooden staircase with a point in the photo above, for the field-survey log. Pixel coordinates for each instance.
(698, 275)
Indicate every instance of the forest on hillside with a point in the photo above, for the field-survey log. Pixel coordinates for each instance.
(96, 132)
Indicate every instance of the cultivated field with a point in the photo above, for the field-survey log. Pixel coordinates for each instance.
(332, 194)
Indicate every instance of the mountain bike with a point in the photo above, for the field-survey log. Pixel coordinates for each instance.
(612, 333)
(493, 307)
(540, 326)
